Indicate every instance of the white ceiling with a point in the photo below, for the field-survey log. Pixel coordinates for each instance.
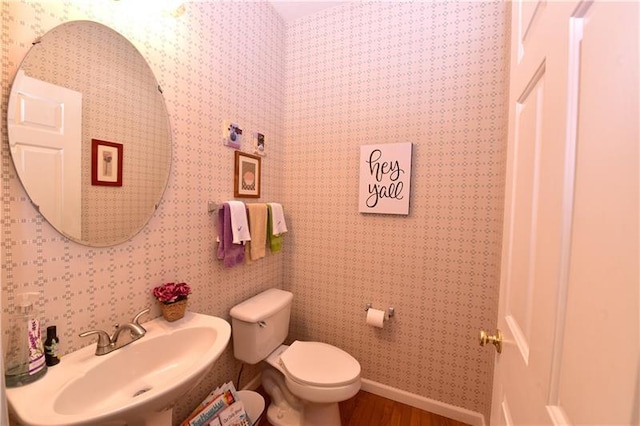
(291, 10)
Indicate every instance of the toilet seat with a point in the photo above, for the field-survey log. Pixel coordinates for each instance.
(319, 364)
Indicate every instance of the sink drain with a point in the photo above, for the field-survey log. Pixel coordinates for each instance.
(141, 391)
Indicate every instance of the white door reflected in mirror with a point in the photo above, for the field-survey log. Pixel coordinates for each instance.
(45, 134)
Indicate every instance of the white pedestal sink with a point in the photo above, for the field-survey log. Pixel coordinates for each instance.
(134, 385)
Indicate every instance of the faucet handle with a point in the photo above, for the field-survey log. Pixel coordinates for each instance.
(136, 319)
(103, 338)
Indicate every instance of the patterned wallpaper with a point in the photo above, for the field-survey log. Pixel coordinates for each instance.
(369, 72)
(120, 103)
(430, 73)
(206, 63)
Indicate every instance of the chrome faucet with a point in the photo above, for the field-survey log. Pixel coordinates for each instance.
(108, 343)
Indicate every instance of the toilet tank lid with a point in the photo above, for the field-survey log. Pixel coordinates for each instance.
(262, 305)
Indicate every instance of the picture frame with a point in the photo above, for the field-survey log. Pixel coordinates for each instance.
(106, 163)
(247, 175)
(385, 178)
(259, 148)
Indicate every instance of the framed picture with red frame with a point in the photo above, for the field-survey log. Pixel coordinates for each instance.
(106, 163)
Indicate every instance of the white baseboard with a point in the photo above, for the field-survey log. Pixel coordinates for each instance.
(431, 405)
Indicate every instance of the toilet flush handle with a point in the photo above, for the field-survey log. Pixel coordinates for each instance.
(262, 324)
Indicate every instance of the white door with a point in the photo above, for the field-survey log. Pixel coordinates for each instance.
(45, 134)
(569, 293)
(4, 416)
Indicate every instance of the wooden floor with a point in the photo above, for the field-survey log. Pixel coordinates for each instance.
(367, 409)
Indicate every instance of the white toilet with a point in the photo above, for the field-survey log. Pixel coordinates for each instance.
(305, 380)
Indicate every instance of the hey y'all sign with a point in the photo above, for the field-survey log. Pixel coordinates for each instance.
(385, 178)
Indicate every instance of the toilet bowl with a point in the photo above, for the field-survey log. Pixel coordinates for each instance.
(319, 372)
(309, 379)
(305, 380)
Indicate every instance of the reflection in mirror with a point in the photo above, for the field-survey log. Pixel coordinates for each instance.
(80, 82)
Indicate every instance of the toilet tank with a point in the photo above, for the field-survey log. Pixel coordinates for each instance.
(260, 324)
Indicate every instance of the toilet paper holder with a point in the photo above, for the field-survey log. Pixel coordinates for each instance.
(390, 310)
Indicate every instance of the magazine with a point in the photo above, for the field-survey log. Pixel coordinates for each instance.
(211, 410)
(234, 415)
(229, 386)
(215, 422)
(220, 408)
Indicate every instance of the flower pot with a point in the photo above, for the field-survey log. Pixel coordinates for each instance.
(173, 311)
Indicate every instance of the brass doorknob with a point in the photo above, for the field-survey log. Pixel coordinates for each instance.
(496, 339)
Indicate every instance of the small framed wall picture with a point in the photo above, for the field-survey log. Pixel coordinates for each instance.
(259, 148)
(246, 182)
(106, 163)
(231, 134)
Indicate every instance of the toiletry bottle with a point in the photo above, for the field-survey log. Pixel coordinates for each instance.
(51, 347)
(25, 362)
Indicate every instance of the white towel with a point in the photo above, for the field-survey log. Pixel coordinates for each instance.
(239, 223)
(278, 225)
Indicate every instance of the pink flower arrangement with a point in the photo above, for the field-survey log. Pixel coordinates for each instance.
(171, 292)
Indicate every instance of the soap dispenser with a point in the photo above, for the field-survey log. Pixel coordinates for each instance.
(25, 361)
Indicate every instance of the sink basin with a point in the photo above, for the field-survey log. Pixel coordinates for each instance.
(134, 384)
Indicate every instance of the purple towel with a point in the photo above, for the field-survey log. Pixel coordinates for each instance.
(232, 254)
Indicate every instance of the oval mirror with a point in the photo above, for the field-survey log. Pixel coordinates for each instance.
(89, 133)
